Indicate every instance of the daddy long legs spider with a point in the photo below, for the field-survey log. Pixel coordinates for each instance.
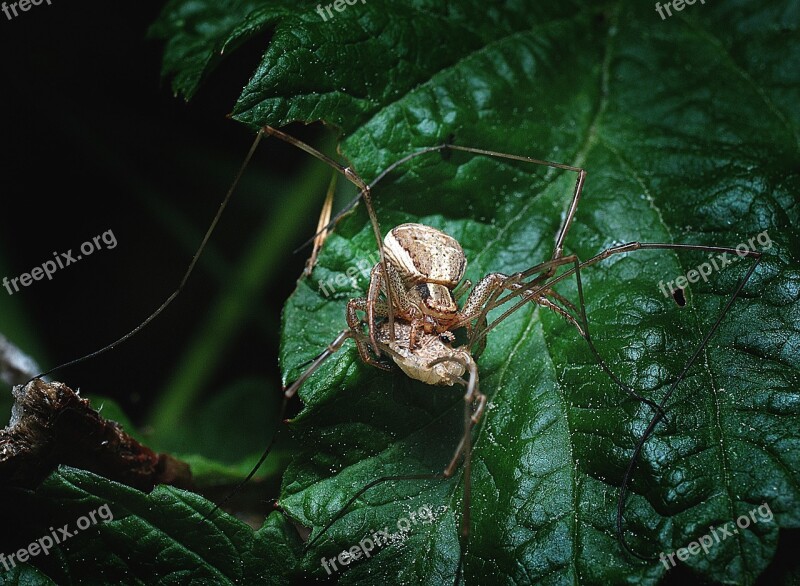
(419, 308)
(425, 269)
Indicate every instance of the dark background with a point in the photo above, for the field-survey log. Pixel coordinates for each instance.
(92, 139)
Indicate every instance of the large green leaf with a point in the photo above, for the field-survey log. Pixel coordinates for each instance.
(689, 130)
(24, 575)
(137, 538)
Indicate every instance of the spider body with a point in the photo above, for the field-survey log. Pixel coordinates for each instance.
(424, 268)
(425, 255)
(424, 265)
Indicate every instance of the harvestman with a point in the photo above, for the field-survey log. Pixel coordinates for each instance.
(420, 342)
(427, 286)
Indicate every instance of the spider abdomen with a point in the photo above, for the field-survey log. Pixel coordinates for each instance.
(416, 363)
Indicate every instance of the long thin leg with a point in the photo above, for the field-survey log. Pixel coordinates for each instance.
(322, 357)
(346, 171)
(408, 311)
(184, 279)
(513, 283)
(461, 288)
(623, 491)
(352, 332)
(492, 285)
(354, 323)
(499, 282)
(576, 194)
(474, 405)
(288, 394)
(539, 297)
(235, 490)
(384, 173)
(573, 206)
(536, 287)
(597, 356)
(365, 192)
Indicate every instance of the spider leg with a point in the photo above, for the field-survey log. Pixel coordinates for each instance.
(365, 192)
(513, 283)
(341, 512)
(538, 296)
(576, 194)
(462, 288)
(183, 280)
(480, 345)
(372, 184)
(487, 290)
(354, 323)
(474, 405)
(536, 287)
(561, 299)
(332, 348)
(378, 283)
(485, 294)
(447, 146)
(659, 409)
(535, 292)
(362, 344)
(623, 491)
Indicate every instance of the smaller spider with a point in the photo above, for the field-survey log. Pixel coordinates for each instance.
(432, 360)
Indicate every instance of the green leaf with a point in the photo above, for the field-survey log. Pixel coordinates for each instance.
(689, 131)
(200, 33)
(24, 575)
(216, 450)
(156, 538)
